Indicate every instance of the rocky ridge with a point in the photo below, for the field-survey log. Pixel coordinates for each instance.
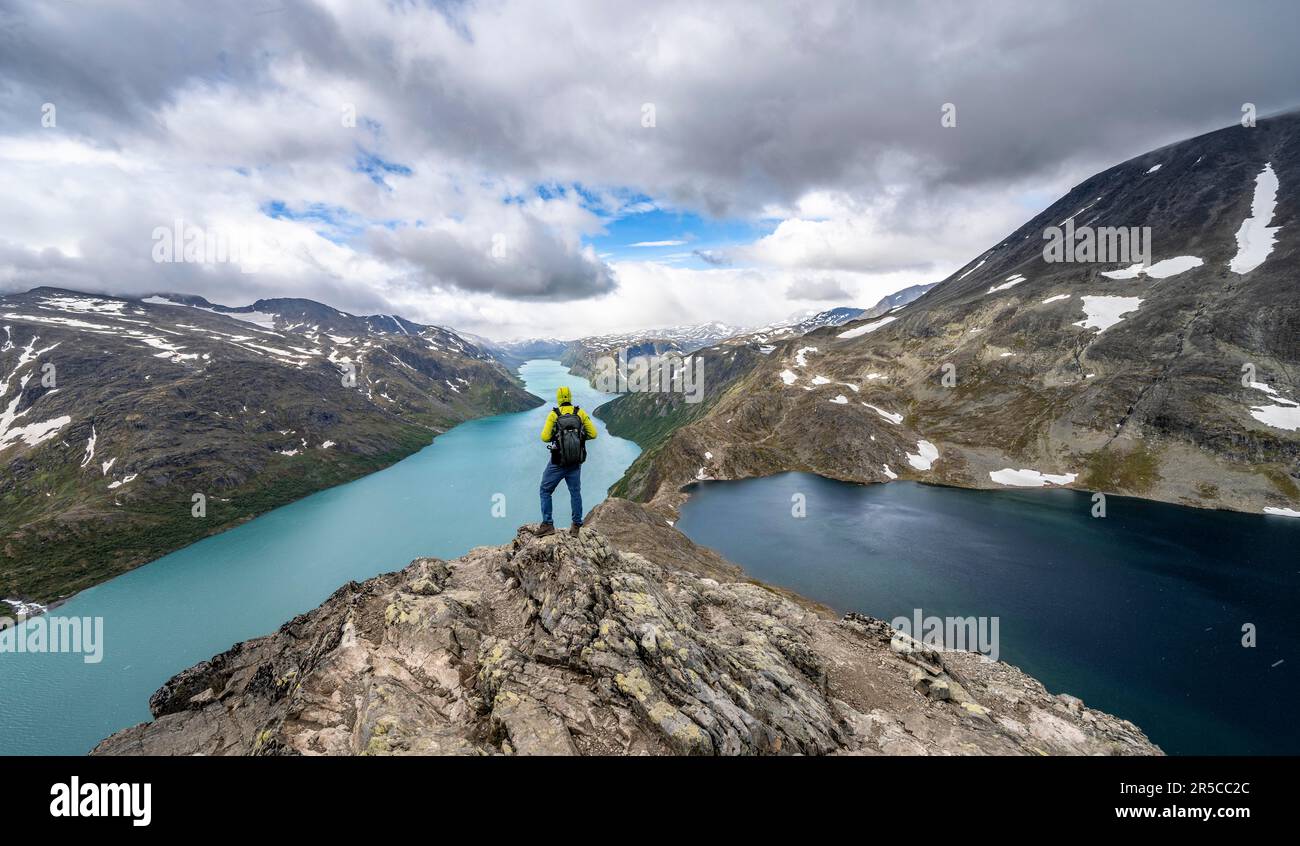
(627, 639)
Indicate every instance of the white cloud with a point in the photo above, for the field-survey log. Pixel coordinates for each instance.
(474, 104)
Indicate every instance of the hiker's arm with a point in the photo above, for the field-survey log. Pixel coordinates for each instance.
(588, 426)
(548, 429)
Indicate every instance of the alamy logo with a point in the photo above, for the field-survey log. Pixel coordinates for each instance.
(967, 634)
(1127, 244)
(75, 799)
(670, 372)
(185, 243)
(52, 633)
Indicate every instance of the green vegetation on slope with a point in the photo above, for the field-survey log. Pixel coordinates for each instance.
(1133, 471)
(650, 419)
(54, 558)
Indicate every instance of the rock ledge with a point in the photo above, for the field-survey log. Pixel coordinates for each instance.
(564, 645)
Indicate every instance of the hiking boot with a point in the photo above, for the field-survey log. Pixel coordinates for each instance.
(544, 529)
(573, 530)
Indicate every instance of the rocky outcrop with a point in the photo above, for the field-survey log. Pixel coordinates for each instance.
(577, 645)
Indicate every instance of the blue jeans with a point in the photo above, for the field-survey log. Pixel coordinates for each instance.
(572, 477)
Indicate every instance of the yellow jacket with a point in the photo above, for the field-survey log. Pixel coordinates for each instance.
(564, 399)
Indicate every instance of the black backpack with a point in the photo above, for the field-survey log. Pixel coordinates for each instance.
(570, 438)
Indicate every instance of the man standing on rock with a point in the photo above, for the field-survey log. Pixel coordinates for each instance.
(565, 433)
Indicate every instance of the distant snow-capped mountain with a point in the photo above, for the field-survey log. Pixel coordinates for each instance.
(898, 298)
(292, 314)
(685, 338)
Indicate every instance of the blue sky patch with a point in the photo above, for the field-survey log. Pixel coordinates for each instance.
(333, 223)
(682, 239)
(377, 167)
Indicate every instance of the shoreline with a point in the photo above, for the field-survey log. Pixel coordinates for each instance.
(52, 604)
(681, 488)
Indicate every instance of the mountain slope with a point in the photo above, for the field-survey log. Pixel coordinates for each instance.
(898, 298)
(648, 418)
(116, 413)
(1177, 383)
(642, 645)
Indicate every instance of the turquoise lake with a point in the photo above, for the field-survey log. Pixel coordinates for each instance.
(1139, 613)
(243, 583)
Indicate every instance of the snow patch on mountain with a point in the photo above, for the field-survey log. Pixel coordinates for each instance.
(972, 270)
(868, 327)
(1283, 414)
(1255, 238)
(1011, 282)
(1278, 416)
(90, 446)
(1079, 212)
(130, 477)
(1160, 270)
(1104, 312)
(86, 305)
(896, 419)
(31, 434)
(925, 456)
(1030, 478)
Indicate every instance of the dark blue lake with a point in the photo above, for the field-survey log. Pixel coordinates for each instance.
(1140, 613)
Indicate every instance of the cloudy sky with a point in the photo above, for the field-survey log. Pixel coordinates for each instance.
(562, 168)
